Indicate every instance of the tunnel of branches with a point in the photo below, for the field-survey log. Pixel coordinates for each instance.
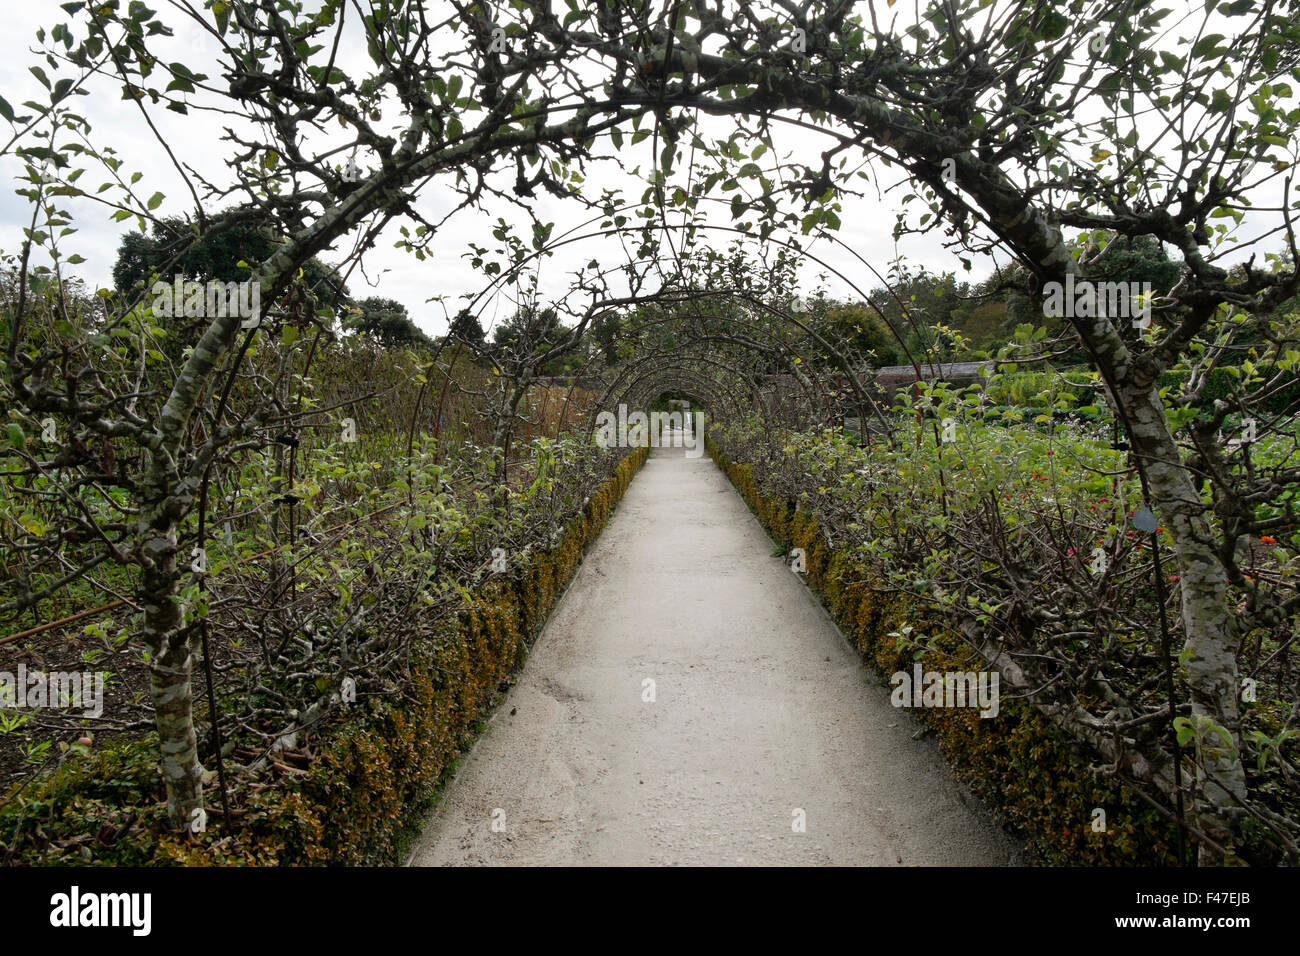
(724, 329)
(345, 549)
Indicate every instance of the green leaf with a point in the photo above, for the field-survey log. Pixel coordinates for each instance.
(1207, 45)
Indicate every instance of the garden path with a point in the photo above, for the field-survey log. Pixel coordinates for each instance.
(760, 710)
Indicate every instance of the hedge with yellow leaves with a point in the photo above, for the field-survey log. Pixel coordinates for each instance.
(375, 769)
(1018, 763)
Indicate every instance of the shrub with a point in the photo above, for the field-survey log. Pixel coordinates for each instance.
(1018, 763)
(376, 768)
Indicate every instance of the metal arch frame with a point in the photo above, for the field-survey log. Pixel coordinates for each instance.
(865, 400)
(658, 367)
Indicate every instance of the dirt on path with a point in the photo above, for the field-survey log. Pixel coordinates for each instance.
(759, 716)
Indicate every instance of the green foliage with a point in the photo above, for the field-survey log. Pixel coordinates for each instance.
(378, 763)
(386, 321)
(1223, 383)
(1037, 389)
(1023, 508)
(465, 327)
(530, 329)
(1018, 763)
(864, 333)
(175, 249)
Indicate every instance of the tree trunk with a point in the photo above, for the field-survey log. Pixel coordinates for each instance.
(170, 666)
(1210, 638)
(1207, 626)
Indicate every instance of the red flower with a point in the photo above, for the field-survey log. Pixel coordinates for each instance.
(1268, 539)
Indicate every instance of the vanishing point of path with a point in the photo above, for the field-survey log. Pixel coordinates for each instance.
(760, 708)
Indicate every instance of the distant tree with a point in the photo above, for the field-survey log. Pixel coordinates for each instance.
(214, 256)
(1107, 258)
(866, 334)
(1133, 259)
(914, 303)
(528, 331)
(605, 330)
(387, 322)
(465, 327)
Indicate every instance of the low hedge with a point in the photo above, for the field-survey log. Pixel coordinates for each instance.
(1017, 762)
(1221, 382)
(375, 768)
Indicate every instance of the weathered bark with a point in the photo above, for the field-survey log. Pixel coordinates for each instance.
(1210, 639)
(167, 498)
(170, 666)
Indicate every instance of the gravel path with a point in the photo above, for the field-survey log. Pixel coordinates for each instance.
(760, 710)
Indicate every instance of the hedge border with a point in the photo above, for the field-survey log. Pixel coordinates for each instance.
(377, 770)
(1022, 767)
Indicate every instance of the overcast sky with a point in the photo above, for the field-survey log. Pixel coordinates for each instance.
(867, 221)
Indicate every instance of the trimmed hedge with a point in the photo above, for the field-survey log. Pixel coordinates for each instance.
(375, 768)
(1221, 382)
(1017, 762)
